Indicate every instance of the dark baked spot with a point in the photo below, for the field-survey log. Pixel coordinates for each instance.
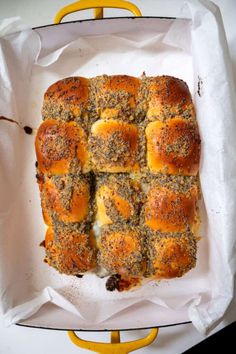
(39, 177)
(42, 244)
(112, 282)
(199, 86)
(79, 275)
(28, 130)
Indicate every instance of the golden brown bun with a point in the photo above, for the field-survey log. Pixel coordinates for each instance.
(66, 99)
(65, 198)
(173, 147)
(166, 210)
(69, 251)
(168, 97)
(114, 146)
(121, 251)
(118, 200)
(170, 255)
(116, 96)
(61, 147)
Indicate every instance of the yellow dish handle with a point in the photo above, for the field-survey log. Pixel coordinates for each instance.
(115, 347)
(97, 6)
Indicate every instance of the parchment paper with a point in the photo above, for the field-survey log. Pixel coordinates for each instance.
(195, 51)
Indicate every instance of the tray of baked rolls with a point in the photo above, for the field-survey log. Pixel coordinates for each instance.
(116, 172)
(117, 168)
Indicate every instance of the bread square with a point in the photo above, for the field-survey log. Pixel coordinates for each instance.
(173, 147)
(113, 146)
(61, 147)
(170, 255)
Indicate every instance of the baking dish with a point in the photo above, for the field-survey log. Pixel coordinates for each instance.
(48, 35)
(113, 347)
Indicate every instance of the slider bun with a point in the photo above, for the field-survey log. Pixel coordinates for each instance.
(66, 199)
(121, 251)
(114, 146)
(166, 210)
(168, 97)
(173, 147)
(61, 147)
(66, 99)
(171, 256)
(116, 96)
(117, 200)
(69, 251)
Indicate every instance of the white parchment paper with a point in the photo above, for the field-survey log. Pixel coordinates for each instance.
(195, 51)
